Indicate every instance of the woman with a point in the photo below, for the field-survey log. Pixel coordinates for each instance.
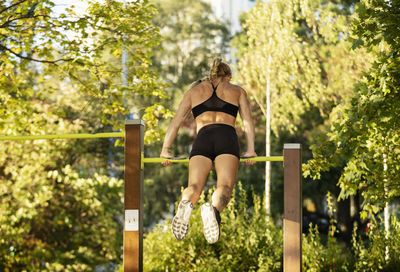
(214, 103)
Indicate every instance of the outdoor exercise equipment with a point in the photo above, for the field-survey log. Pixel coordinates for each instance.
(133, 230)
(133, 193)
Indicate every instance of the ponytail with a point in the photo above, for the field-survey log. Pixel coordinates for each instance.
(219, 69)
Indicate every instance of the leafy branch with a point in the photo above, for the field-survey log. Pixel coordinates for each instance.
(12, 6)
(4, 48)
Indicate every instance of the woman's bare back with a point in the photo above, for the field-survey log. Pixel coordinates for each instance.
(226, 91)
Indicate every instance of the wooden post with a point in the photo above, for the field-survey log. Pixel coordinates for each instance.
(133, 202)
(292, 220)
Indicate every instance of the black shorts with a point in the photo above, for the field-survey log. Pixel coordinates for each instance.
(216, 139)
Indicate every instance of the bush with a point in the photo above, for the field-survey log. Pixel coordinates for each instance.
(376, 252)
(249, 242)
(329, 256)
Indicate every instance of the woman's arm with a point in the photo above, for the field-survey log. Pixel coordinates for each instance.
(245, 113)
(181, 114)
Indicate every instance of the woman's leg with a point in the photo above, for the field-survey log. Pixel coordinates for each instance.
(226, 166)
(199, 168)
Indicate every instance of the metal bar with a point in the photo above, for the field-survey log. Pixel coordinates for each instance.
(63, 136)
(186, 160)
(133, 197)
(292, 205)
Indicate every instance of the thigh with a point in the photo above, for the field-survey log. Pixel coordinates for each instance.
(199, 168)
(226, 166)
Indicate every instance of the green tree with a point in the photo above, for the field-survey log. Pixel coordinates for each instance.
(364, 132)
(277, 66)
(301, 56)
(191, 37)
(60, 209)
(74, 46)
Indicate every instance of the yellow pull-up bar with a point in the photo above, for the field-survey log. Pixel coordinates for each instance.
(185, 160)
(117, 135)
(63, 136)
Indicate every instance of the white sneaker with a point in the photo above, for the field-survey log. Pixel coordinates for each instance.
(180, 222)
(211, 222)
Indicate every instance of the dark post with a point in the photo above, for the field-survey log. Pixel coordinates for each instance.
(292, 221)
(133, 202)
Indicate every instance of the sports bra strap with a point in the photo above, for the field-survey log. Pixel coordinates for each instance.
(214, 88)
(214, 103)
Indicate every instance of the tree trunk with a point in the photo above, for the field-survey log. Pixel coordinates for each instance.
(386, 211)
(268, 143)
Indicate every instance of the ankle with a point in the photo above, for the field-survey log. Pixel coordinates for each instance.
(187, 202)
(187, 199)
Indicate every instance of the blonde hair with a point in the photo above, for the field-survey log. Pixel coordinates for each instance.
(219, 69)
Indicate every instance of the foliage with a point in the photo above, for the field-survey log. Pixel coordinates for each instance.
(377, 252)
(248, 242)
(55, 214)
(73, 45)
(192, 37)
(273, 68)
(278, 59)
(305, 47)
(330, 255)
(364, 133)
(60, 206)
(302, 47)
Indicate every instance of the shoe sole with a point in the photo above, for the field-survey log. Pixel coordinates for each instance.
(210, 224)
(180, 228)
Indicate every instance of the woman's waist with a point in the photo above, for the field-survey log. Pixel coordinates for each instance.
(215, 126)
(206, 121)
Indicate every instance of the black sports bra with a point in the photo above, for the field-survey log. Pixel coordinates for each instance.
(214, 103)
